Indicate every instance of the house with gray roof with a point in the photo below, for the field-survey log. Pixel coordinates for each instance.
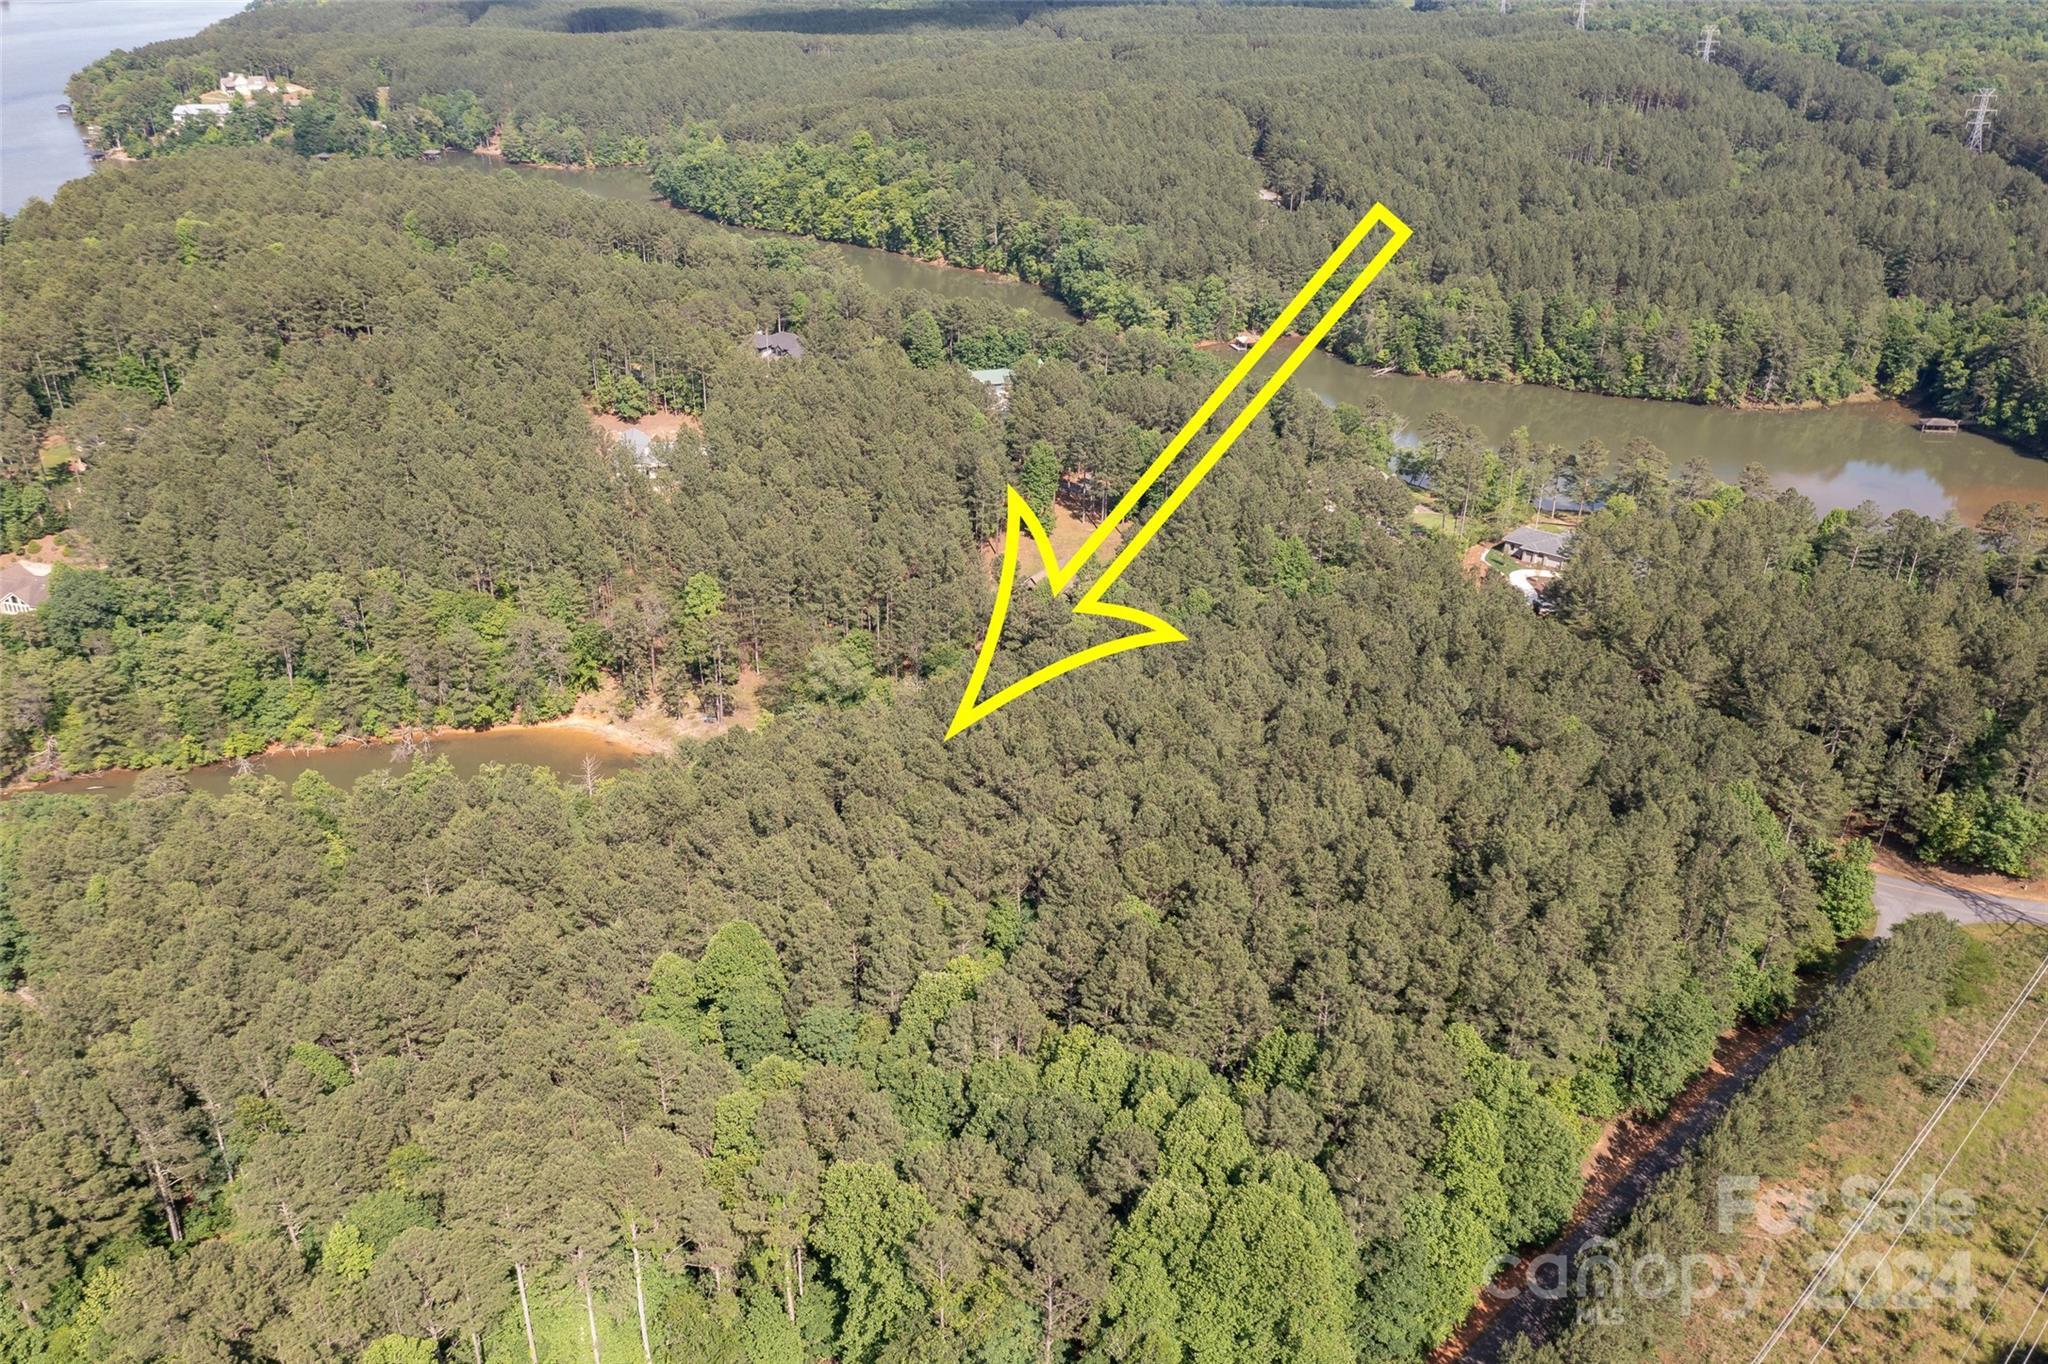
(997, 382)
(641, 446)
(23, 587)
(778, 345)
(1542, 548)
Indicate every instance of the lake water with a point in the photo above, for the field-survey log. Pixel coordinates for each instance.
(42, 43)
(1837, 456)
(564, 751)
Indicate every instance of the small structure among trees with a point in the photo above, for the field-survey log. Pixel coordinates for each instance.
(777, 345)
(23, 588)
(997, 382)
(1535, 546)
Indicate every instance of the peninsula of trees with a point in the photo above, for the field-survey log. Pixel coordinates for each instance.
(1594, 210)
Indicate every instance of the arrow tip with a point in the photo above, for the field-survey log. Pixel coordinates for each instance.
(1020, 521)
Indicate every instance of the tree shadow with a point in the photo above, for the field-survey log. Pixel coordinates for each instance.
(827, 19)
(617, 19)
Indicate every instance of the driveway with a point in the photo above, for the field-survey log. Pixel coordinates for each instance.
(1901, 897)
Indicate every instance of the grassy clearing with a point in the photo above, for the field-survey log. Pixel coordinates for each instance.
(1937, 1297)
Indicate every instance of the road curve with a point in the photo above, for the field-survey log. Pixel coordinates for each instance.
(1901, 897)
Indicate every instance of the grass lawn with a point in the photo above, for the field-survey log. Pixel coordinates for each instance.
(1441, 522)
(1971, 1233)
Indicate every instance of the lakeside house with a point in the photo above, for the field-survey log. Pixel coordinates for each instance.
(1535, 546)
(778, 345)
(997, 382)
(236, 85)
(242, 83)
(23, 588)
(1244, 340)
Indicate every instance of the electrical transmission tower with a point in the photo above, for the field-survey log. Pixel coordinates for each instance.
(1582, 16)
(1503, 6)
(1708, 36)
(1980, 118)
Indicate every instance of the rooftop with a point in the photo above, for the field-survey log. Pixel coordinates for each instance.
(27, 584)
(778, 343)
(1550, 543)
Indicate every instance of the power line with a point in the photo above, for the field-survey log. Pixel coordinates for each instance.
(2021, 1338)
(1855, 1228)
(2019, 1263)
(1980, 117)
(1925, 1198)
(1708, 35)
(1582, 16)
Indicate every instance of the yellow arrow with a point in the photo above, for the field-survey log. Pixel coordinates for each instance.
(1021, 519)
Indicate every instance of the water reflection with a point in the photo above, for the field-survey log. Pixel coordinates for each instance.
(572, 754)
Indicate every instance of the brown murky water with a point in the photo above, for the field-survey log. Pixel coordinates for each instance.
(564, 751)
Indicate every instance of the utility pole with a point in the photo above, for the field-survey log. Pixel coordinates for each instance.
(1582, 16)
(1980, 118)
(1503, 6)
(1707, 37)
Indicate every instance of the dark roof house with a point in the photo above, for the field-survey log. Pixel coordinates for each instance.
(778, 345)
(23, 587)
(1530, 545)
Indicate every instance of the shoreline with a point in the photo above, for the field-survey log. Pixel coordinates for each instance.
(648, 732)
(1862, 397)
(611, 732)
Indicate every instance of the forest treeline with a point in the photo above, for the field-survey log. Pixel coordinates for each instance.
(1616, 1314)
(1596, 211)
(1249, 1003)
(341, 475)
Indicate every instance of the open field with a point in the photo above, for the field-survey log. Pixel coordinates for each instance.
(1983, 1173)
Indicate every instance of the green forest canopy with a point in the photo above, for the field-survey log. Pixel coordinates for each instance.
(1316, 943)
(1595, 210)
(1246, 1004)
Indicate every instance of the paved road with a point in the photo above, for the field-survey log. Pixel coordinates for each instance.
(1901, 897)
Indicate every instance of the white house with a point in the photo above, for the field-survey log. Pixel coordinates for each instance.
(642, 446)
(997, 382)
(181, 112)
(242, 83)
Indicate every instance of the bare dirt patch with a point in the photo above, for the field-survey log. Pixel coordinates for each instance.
(1068, 533)
(659, 425)
(651, 729)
